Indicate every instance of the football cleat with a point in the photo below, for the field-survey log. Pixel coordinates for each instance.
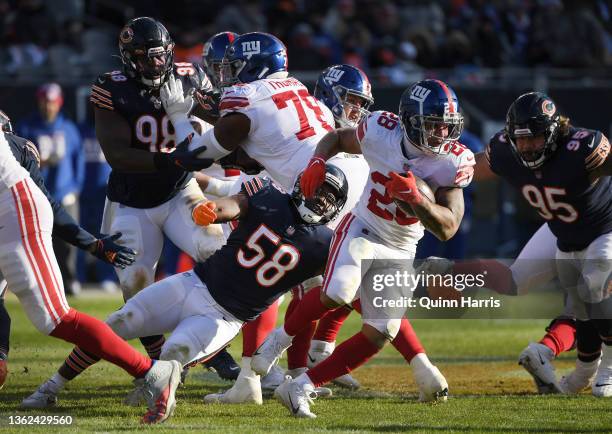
(246, 389)
(159, 387)
(536, 359)
(273, 379)
(580, 378)
(270, 351)
(432, 385)
(44, 397)
(3, 372)
(296, 397)
(602, 385)
(224, 365)
(317, 354)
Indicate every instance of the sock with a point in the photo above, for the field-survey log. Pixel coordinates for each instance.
(255, 332)
(310, 309)
(153, 345)
(421, 362)
(56, 382)
(5, 329)
(329, 325)
(589, 341)
(76, 362)
(348, 356)
(96, 337)
(560, 336)
(407, 342)
(297, 353)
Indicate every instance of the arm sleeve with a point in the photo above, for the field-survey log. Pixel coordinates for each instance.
(64, 226)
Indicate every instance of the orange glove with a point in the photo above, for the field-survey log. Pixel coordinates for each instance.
(313, 176)
(404, 188)
(204, 213)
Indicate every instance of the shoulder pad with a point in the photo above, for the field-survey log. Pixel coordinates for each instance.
(104, 87)
(252, 186)
(236, 97)
(593, 145)
(377, 123)
(464, 161)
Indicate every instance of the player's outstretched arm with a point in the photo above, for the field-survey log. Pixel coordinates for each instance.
(229, 132)
(443, 217)
(340, 140)
(482, 168)
(220, 211)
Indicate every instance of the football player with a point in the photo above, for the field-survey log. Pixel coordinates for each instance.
(64, 227)
(564, 173)
(280, 241)
(150, 190)
(28, 264)
(422, 141)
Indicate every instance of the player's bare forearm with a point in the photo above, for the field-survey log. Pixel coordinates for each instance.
(482, 169)
(231, 208)
(444, 217)
(340, 140)
(115, 136)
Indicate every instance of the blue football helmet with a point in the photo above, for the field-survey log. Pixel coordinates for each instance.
(430, 116)
(346, 91)
(251, 57)
(212, 56)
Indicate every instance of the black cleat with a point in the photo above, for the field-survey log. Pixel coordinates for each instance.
(224, 365)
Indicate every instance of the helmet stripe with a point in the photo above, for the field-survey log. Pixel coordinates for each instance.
(230, 37)
(449, 97)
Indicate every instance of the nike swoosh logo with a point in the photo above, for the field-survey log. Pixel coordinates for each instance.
(256, 353)
(541, 361)
(311, 359)
(602, 384)
(293, 408)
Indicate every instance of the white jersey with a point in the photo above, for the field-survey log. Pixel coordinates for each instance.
(11, 172)
(286, 124)
(381, 139)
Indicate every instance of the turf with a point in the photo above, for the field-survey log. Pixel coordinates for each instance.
(489, 392)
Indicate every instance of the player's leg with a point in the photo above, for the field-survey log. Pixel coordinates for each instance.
(594, 289)
(340, 286)
(587, 361)
(5, 332)
(248, 386)
(28, 263)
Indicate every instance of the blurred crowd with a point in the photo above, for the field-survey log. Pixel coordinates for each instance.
(390, 39)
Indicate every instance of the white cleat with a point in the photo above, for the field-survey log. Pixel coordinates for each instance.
(246, 390)
(44, 397)
(319, 351)
(274, 378)
(602, 385)
(159, 388)
(296, 398)
(432, 385)
(536, 359)
(270, 351)
(580, 378)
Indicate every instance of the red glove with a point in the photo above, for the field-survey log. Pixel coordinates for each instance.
(204, 213)
(313, 176)
(404, 188)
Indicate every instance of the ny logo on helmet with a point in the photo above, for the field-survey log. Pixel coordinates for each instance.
(419, 93)
(250, 47)
(334, 75)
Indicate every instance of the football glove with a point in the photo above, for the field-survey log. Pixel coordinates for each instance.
(203, 214)
(404, 188)
(184, 158)
(313, 176)
(112, 253)
(174, 100)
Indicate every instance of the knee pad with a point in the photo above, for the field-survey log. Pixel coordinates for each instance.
(134, 278)
(596, 278)
(181, 347)
(126, 321)
(388, 327)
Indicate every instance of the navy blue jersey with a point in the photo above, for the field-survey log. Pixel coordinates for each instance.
(561, 190)
(64, 226)
(151, 131)
(271, 251)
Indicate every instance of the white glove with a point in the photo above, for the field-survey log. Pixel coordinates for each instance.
(177, 107)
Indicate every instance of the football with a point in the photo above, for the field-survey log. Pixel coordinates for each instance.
(425, 190)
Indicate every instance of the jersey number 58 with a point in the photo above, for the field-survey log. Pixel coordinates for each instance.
(284, 258)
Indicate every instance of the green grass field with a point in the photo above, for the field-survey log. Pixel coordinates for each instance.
(489, 391)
